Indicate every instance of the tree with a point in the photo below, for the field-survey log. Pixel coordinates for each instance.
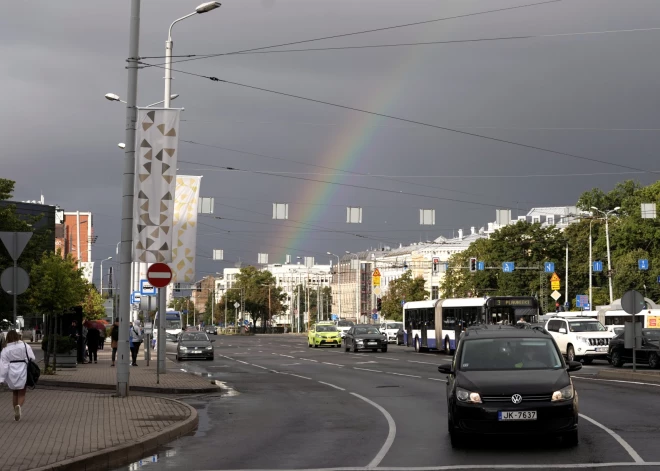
(255, 285)
(93, 307)
(405, 288)
(57, 285)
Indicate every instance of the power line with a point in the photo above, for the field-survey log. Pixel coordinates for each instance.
(430, 43)
(412, 121)
(192, 57)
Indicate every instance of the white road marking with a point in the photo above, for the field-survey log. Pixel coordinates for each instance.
(424, 362)
(491, 466)
(437, 379)
(618, 381)
(244, 362)
(291, 364)
(258, 366)
(309, 359)
(274, 371)
(364, 362)
(390, 434)
(387, 358)
(633, 454)
(366, 369)
(401, 374)
(333, 364)
(288, 356)
(297, 376)
(332, 385)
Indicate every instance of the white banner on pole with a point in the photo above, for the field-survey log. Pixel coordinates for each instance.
(157, 141)
(185, 228)
(88, 271)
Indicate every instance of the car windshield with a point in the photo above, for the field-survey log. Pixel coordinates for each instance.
(366, 330)
(586, 326)
(193, 336)
(509, 354)
(345, 324)
(326, 328)
(394, 325)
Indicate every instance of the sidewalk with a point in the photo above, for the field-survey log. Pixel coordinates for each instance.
(76, 430)
(142, 377)
(643, 376)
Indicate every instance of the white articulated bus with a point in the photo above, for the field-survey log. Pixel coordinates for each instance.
(432, 325)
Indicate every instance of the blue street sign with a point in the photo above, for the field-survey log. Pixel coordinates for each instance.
(374, 317)
(146, 289)
(643, 264)
(246, 322)
(334, 317)
(508, 267)
(581, 300)
(135, 297)
(185, 311)
(549, 267)
(598, 266)
(587, 307)
(481, 266)
(403, 301)
(567, 305)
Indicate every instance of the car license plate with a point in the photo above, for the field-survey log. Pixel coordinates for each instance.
(371, 343)
(601, 349)
(516, 415)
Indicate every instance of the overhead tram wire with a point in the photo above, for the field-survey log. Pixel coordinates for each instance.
(451, 41)
(193, 57)
(412, 121)
(347, 172)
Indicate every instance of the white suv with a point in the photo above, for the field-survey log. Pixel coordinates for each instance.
(391, 329)
(580, 338)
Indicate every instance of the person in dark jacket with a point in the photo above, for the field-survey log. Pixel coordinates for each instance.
(93, 337)
(114, 337)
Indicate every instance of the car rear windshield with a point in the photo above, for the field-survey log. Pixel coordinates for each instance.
(326, 328)
(508, 354)
(394, 325)
(651, 334)
(345, 324)
(586, 326)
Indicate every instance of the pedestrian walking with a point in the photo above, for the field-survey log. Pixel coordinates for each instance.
(102, 334)
(135, 338)
(114, 337)
(13, 369)
(93, 339)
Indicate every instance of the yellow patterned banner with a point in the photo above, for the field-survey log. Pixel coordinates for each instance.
(186, 198)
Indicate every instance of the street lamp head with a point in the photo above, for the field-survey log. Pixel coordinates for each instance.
(112, 97)
(109, 258)
(348, 252)
(121, 145)
(593, 207)
(329, 253)
(207, 6)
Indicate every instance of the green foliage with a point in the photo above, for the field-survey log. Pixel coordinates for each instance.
(92, 305)
(405, 288)
(58, 284)
(65, 344)
(255, 287)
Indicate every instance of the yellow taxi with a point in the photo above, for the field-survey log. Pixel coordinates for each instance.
(323, 334)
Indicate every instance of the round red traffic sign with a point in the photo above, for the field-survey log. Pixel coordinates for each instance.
(159, 275)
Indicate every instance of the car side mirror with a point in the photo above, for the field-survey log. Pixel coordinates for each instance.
(574, 366)
(562, 330)
(445, 368)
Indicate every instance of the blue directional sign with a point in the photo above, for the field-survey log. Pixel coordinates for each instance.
(135, 297)
(586, 307)
(508, 267)
(598, 266)
(549, 267)
(374, 317)
(481, 266)
(246, 322)
(146, 289)
(334, 317)
(643, 264)
(581, 300)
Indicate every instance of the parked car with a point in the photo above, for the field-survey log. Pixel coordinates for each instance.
(211, 329)
(580, 338)
(508, 381)
(363, 337)
(618, 355)
(194, 345)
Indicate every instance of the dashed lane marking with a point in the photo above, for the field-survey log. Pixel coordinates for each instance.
(332, 385)
(297, 376)
(366, 369)
(437, 379)
(402, 374)
(618, 381)
(333, 364)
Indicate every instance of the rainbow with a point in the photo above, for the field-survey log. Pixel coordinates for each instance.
(355, 136)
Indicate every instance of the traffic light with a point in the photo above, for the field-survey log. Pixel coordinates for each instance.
(473, 264)
(436, 265)
(379, 303)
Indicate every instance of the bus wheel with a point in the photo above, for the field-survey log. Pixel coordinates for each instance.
(447, 347)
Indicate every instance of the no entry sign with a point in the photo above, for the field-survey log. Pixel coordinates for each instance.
(159, 275)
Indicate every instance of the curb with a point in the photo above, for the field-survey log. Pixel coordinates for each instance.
(111, 387)
(127, 453)
(629, 376)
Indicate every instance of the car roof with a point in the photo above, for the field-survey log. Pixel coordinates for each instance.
(325, 323)
(575, 318)
(365, 325)
(499, 331)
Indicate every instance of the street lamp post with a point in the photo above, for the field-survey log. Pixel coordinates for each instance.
(606, 216)
(104, 260)
(269, 308)
(358, 309)
(338, 280)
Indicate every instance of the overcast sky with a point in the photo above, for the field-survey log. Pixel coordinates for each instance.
(590, 95)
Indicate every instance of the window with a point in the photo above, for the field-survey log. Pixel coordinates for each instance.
(509, 354)
(551, 220)
(553, 326)
(587, 326)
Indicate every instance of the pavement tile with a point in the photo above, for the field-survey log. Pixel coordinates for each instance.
(142, 377)
(59, 427)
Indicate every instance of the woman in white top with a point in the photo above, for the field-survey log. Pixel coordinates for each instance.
(13, 369)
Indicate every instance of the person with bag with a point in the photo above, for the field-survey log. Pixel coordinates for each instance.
(114, 336)
(135, 338)
(15, 361)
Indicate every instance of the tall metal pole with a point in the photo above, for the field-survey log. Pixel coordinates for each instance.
(609, 262)
(566, 286)
(162, 315)
(78, 238)
(127, 200)
(591, 263)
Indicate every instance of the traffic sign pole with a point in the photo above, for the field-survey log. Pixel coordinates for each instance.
(162, 315)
